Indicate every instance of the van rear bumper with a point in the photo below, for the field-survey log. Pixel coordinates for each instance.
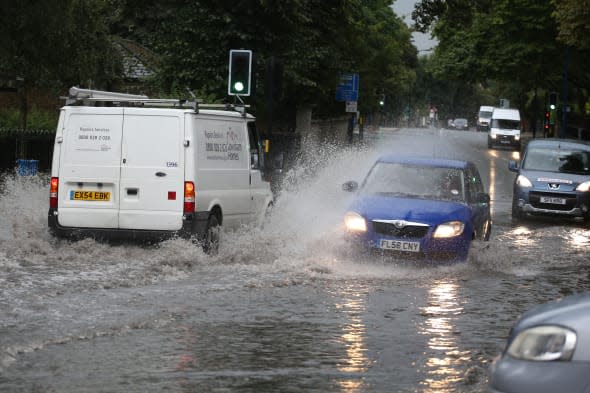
(193, 227)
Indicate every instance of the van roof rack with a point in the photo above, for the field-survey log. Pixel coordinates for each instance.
(86, 96)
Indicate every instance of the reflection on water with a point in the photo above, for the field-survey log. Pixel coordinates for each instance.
(443, 366)
(354, 336)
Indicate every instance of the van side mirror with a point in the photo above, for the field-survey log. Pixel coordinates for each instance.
(277, 160)
(254, 160)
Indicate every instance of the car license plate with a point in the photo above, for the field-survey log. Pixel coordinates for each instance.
(90, 196)
(552, 200)
(399, 245)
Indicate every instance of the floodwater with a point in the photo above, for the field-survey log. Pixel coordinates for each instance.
(280, 309)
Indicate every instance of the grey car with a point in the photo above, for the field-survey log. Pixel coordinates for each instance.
(548, 350)
(553, 179)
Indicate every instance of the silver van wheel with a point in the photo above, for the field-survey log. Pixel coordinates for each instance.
(212, 236)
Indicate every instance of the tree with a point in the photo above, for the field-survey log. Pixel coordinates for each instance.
(55, 44)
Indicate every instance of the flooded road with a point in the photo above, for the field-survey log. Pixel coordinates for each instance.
(280, 309)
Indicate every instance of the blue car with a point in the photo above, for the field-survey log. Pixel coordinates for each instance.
(548, 350)
(419, 209)
(553, 179)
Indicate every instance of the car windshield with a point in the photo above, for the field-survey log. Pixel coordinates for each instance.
(485, 114)
(505, 124)
(415, 181)
(460, 121)
(557, 160)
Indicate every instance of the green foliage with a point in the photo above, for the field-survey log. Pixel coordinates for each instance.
(573, 18)
(37, 119)
(57, 43)
(315, 41)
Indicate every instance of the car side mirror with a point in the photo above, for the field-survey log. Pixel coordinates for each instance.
(512, 166)
(482, 198)
(350, 186)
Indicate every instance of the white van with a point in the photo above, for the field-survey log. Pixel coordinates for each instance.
(505, 128)
(483, 117)
(136, 170)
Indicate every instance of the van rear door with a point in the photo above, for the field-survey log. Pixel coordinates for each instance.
(152, 169)
(89, 167)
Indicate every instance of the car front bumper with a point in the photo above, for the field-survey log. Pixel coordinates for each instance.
(577, 204)
(431, 250)
(509, 375)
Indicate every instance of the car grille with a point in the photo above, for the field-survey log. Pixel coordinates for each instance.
(535, 201)
(408, 231)
(505, 138)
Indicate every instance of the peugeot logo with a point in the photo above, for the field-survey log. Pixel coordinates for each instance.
(399, 224)
(553, 186)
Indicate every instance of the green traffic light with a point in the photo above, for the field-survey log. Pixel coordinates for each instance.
(238, 86)
(552, 106)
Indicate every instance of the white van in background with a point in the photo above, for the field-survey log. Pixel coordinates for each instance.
(136, 170)
(483, 118)
(505, 128)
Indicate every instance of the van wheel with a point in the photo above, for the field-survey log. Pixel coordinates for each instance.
(489, 143)
(212, 236)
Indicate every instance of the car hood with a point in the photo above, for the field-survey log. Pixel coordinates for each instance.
(377, 207)
(542, 179)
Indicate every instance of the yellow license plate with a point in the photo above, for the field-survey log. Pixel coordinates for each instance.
(90, 196)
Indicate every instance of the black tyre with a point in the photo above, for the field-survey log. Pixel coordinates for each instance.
(488, 231)
(517, 213)
(212, 236)
(489, 143)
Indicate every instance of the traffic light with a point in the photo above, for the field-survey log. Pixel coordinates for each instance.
(552, 100)
(240, 72)
(382, 101)
(547, 121)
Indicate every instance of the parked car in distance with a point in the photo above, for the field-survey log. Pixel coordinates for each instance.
(553, 179)
(460, 124)
(548, 350)
(418, 209)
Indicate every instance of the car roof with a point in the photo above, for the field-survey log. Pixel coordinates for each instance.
(424, 161)
(557, 143)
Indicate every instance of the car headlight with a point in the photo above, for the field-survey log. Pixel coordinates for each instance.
(584, 187)
(543, 344)
(355, 222)
(449, 229)
(523, 181)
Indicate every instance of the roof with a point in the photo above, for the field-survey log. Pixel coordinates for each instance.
(424, 161)
(559, 142)
(154, 109)
(506, 113)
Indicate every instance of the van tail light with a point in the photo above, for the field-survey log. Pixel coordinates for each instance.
(189, 197)
(53, 192)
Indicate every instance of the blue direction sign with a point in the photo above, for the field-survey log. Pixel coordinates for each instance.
(348, 88)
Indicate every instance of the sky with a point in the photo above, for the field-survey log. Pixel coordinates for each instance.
(404, 8)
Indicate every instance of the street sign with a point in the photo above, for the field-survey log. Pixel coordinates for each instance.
(348, 88)
(351, 106)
